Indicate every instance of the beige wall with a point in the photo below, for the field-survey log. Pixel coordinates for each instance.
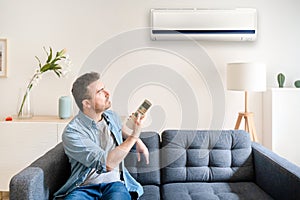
(81, 26)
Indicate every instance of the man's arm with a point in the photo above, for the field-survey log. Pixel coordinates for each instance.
(115, 156)
(141, 148)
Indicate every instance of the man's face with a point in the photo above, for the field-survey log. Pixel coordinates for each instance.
(99, 97)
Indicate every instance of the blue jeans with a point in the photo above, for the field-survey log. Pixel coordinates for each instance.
(105, 191)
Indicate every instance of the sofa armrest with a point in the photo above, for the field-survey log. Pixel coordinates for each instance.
(275, 175)
(28, 184)
(51, 171)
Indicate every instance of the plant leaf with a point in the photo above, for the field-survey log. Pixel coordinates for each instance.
(40, 64)
(46, 67)
(49, 56)
(58, 73)
(62, 52)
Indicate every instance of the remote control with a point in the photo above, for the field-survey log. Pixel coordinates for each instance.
(142, 109)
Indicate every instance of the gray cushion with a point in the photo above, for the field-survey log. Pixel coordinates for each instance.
(213, 191)
(143, 173)
(189, 155)
(151, 192)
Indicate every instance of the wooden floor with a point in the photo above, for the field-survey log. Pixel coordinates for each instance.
(4, 195)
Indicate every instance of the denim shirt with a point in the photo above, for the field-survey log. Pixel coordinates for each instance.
(82, 146)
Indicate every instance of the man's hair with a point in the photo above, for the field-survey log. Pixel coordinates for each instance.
(80, 91)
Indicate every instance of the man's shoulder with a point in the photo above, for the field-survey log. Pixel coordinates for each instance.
(77, 124)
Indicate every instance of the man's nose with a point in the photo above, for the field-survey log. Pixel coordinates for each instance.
(106, 92)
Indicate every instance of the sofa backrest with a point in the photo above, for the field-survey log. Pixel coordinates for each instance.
(143, 173)
(208, 156)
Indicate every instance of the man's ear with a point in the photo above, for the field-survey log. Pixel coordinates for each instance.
(86, 103)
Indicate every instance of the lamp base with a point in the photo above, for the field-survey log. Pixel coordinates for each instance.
(249, 124)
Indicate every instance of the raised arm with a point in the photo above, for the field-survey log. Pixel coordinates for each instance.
(115, 156)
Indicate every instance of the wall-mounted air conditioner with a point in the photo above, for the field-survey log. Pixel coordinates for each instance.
(204, 24)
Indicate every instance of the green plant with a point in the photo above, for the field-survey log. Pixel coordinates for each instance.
(280, 79)
(297, 84)
(59, 64)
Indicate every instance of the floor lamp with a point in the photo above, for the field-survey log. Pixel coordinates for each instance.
(246, 77)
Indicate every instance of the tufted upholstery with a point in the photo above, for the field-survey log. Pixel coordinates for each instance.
(143, 173)
(189, 155)
(147, 175)
(214, 191)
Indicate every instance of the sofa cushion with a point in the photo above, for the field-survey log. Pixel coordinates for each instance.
(188, 155)
(143, 173)
(151, 192)
(213, 191)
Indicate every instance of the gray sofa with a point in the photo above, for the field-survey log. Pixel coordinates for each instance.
(184, 164)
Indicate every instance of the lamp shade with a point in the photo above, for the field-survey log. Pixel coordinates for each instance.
(246, 76)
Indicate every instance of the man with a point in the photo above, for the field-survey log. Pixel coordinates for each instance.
(93, 142)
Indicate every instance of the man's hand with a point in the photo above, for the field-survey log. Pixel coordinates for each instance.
(141, 148)
(137, 127)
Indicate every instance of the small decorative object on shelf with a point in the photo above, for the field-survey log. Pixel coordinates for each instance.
(297, 84)
(9, 118)
(64, 107)
(280, 79)
(25, 110)
(58, 63)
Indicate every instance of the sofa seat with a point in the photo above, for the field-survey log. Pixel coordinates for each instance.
(213, 191)
(150, 192)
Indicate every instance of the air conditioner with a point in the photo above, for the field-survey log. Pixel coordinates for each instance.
(204, 24)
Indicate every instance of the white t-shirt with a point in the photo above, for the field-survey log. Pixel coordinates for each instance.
(107, 143)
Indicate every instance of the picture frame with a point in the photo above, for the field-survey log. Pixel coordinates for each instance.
(3, 58)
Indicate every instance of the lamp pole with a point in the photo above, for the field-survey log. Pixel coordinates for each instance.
(249, 122)
(246, 101)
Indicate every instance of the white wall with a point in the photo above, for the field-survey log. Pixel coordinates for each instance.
(81, 26)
